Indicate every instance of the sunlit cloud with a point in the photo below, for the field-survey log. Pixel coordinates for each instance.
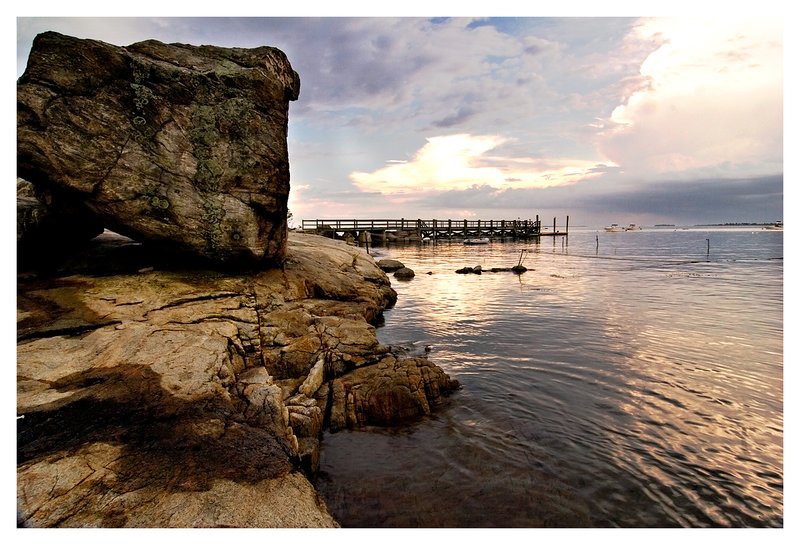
(460, 161)
(710, 100)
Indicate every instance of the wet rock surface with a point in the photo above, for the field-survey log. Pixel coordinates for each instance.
(156, 396)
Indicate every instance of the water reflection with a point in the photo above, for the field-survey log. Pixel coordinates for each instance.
(636, 387)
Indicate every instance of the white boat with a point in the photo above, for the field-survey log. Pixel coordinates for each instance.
(476, 240)
(633, 227)
(614, 228)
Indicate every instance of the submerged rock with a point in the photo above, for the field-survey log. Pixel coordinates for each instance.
(390, 265)
(176, 144)
(470, 270)
(404, 274)
(175, 398)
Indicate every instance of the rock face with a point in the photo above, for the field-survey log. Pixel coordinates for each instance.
(388, 392)
(161, 397)
(176, 144)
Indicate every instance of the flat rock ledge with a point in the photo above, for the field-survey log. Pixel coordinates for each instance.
(149, 396)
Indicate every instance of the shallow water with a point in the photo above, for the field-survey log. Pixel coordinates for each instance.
(626, 379)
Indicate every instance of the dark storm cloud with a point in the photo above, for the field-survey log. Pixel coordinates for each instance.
(702, 200)
(750, 199)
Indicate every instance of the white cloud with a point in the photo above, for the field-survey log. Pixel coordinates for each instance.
(460, 161)
(712, 102)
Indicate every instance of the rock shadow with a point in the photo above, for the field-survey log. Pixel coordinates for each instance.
(169, 443)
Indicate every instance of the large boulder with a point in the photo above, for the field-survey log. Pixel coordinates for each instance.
(176, 144)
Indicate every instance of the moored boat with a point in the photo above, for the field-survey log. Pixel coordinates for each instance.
(471, 241)
(614, 228)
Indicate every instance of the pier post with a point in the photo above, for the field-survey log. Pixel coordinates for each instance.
(566, 229)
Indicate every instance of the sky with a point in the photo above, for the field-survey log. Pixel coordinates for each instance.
(607, 119)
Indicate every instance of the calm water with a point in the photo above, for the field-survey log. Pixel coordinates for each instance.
(634, 379)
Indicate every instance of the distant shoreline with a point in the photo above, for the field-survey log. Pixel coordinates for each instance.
(743, 224)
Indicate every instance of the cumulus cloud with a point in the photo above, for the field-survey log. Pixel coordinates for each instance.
(460, 161)
(710, 101)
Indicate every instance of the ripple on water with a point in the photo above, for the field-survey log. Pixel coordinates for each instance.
(639, 387)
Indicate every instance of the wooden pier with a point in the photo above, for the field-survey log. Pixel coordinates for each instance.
(385, 230)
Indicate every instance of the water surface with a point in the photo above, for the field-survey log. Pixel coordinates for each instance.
(626, 379)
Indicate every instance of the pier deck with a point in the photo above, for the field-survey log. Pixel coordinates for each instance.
(396, 229)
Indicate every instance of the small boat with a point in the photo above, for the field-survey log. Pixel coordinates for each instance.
(633, 227)
(614, 228)
(777, 226)
(472, 241)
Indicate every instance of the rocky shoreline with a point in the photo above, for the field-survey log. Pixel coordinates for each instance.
(154, 396)
(182, 375)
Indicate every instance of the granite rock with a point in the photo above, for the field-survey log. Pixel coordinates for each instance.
(179, 145)
(171, 397)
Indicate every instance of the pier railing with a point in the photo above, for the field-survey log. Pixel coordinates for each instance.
(435, 228)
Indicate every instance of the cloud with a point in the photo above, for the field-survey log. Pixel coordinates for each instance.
(460, 161)
(676, 201)
(710, 101)
(698, 201)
